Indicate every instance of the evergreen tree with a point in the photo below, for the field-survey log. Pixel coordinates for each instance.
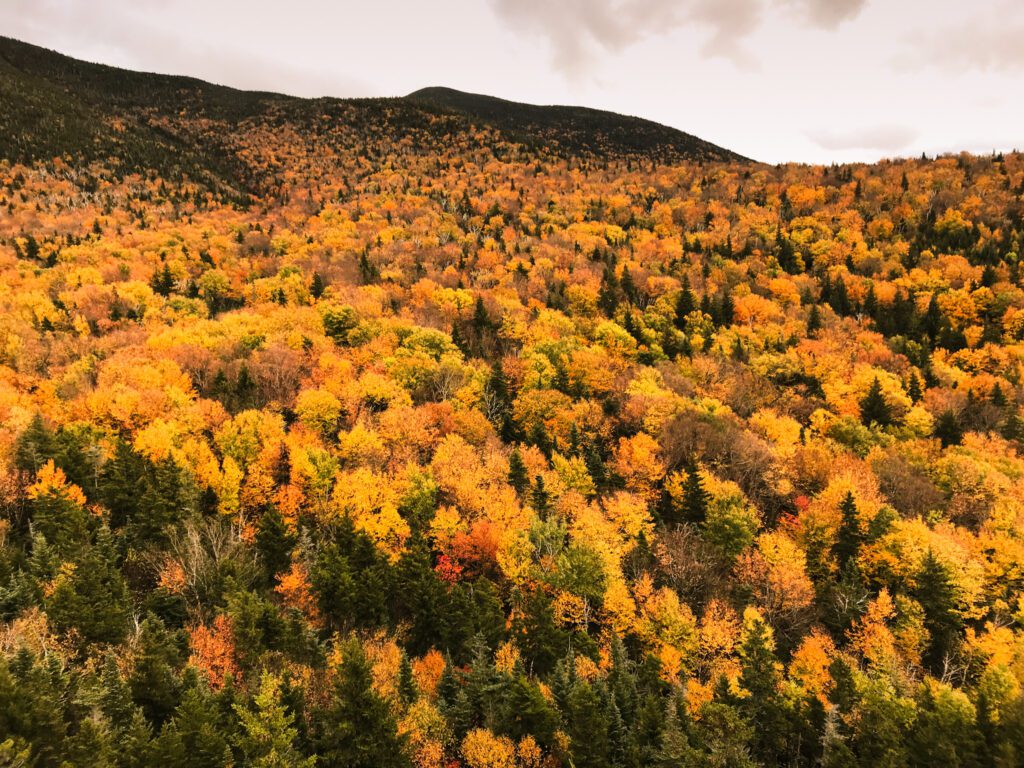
(194, 738)
(518, 476)
(814, 320)
(274, 542)
(588, 727)
(154, 680)
(407, 689)
(764, 708)
(948, 429)
(317, 286)
(267, 736)
(914, 390)
(686, 303)
(873, 407)
(92, 598)
(539, 498)
(695, 498)
(936, 591)
(850, 535)
(357, 729)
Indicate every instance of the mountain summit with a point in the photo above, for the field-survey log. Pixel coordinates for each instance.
(576, 129)
(52, 105)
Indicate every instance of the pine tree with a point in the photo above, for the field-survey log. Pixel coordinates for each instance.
(850, 536)
(686, 303)
(814, 320)
(194, 738)
(407, 689)
(317, 286)
(695, 498)
(539, 499)
(588, 726)
(936, 591)
(518, 476)
(274, 542)
(764, 707)
(948, 429)
(154, 680)
(35, 446)
(268, 734)
(873, 407)
(357, 729)
(997, 398)
(1013, 427)
(914, 391)
(92, 598)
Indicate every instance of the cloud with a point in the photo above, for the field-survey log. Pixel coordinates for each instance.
(829, 14)
(579, 31)
(885, 138)
(988, 39)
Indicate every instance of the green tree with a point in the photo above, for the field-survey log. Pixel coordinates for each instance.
(850, 535)
(874, 409)
(357, 729)
(267, 736)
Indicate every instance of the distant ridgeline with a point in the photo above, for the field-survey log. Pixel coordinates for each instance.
(55, 106)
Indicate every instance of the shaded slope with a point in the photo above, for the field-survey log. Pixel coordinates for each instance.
(577, 129)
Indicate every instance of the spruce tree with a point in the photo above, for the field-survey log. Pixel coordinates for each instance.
(873, 407)
(539, 498)
(936, 591)
(914, 390)
(695, 497)
(518, 476)
(267, 737)
(850, 536)
(686, 303)
(356, 729)
(948, 429)
(317, 286)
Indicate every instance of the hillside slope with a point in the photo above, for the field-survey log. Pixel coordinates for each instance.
(52, 105)
(576, 129)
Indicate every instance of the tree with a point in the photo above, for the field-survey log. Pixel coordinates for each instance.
(195, 737)
(850, 535)
(317, 286)
(937, 593)
(518, 476)
(695, 496)
(948, 429)
(267, 736)
(539, 498)
(873, 407)
(356, 729)
(90, 596)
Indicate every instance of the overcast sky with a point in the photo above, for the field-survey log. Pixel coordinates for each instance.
(777, 80)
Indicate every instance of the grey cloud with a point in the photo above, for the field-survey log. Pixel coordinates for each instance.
(987, 38)
(886, 138)
(580, 30)
(829, 14)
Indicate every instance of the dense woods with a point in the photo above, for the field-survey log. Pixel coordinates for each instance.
(396, 441)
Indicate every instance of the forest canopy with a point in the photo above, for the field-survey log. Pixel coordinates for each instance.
(433, 447)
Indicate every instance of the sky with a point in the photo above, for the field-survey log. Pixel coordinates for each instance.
(815, 81)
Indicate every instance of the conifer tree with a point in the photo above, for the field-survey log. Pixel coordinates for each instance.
(518, 476)
(357, 729)
(874, 409)
(267, 735)
(850, 536)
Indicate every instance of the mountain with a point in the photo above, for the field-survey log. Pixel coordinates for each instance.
(52, 105)
(576, 129)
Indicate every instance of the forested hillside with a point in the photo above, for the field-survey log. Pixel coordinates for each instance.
(363, 433)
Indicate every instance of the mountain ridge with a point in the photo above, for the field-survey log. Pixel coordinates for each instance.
(55, 105)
